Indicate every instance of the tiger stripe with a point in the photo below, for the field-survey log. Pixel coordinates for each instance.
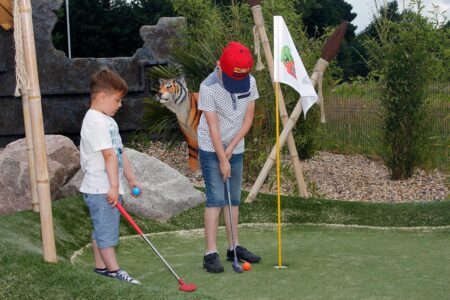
(189, 125)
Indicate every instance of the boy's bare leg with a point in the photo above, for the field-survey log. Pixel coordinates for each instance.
(105, 258)
(235, 211)
(99, 263)
(211, 225)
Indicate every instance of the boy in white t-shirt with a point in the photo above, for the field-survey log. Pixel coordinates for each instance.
(104, 164)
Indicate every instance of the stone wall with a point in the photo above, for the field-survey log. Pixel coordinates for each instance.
(64, 82)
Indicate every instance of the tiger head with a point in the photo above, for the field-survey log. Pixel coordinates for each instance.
(171, 92)
(174, 95)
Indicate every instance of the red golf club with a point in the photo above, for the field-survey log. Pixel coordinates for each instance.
(189, 287)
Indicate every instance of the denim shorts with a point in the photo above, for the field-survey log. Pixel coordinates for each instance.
(216, 192)
(105, 220)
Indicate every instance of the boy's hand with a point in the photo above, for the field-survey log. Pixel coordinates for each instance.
(134, 184)
(229, 152)
(113, 196)
(225, 169)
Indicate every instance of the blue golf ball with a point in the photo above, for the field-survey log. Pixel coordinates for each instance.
(136, 191)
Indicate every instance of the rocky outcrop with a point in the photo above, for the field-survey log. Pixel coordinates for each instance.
(166, 191)
(63, 161)
(64, 82)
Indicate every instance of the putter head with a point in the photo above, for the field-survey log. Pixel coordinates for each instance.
(189, 287)
(236, 266)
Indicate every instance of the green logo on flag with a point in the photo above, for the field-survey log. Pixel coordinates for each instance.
(288, 60)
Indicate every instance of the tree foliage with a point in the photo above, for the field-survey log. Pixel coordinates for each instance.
(110, 28)
(407, 54)
(318, 15)
(107, 28)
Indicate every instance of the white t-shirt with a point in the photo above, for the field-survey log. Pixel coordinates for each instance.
(230, 110)
(98, 132)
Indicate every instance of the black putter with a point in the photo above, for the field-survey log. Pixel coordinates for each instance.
(236, 266)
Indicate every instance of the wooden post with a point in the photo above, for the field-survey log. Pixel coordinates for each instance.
(329, 51)
(287, 130)
(34, 96)
(7, 22)
(6, 16)
(30, 151)
(259, 22)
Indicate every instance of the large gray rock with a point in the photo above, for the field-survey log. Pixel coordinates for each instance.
(63, 161)
(72, 187)
(166, 191)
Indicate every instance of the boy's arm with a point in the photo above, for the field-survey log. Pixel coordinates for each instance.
(112, 170)
(128, 172)
(214, 132)
(246, 125)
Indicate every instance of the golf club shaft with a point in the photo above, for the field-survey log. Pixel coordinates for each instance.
(227, 183)
(138, 230)
(162, 258)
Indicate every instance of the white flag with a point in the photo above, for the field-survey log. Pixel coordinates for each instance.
(288, 66)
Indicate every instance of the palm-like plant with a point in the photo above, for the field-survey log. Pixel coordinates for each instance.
(209, 29)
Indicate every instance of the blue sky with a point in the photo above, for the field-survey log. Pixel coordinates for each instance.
(365, 9)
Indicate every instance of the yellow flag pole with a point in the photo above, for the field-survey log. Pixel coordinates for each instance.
(277, 86)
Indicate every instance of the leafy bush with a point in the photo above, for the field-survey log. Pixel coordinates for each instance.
(408, 55)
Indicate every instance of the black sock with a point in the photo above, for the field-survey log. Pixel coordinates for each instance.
(101, 270)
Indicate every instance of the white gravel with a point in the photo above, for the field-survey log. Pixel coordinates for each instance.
(355, 177)
(334, 176)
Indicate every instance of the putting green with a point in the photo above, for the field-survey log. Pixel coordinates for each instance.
(324, 262)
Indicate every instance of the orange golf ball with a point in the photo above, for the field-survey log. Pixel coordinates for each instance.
(246, 266)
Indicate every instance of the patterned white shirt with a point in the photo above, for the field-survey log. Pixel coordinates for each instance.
(230, 110)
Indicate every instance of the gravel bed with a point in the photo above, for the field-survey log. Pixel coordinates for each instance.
(355, 177)
(332, 176)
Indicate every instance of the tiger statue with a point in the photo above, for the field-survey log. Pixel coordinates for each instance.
(174, 95)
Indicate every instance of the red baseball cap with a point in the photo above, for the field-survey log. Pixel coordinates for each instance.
(236, 62)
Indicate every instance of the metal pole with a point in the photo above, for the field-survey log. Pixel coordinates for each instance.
(69, 47)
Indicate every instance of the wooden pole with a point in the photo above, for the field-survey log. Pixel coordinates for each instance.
(30, 151)
(259, 22)
(34, 96)
(287, 130)
(329, 51)
(6, 9)
(6, 16)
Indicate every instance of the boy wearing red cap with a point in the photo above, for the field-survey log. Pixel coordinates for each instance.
(227, 98)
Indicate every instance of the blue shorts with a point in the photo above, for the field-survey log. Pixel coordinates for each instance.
(216, 192)
(105, 220)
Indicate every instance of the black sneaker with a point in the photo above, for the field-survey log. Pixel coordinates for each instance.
(212, 263)
(243, 255)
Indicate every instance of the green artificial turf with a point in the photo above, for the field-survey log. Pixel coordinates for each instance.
(323, 262)
(24, 275)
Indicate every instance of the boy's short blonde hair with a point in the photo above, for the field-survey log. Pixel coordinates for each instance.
(106, 80)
